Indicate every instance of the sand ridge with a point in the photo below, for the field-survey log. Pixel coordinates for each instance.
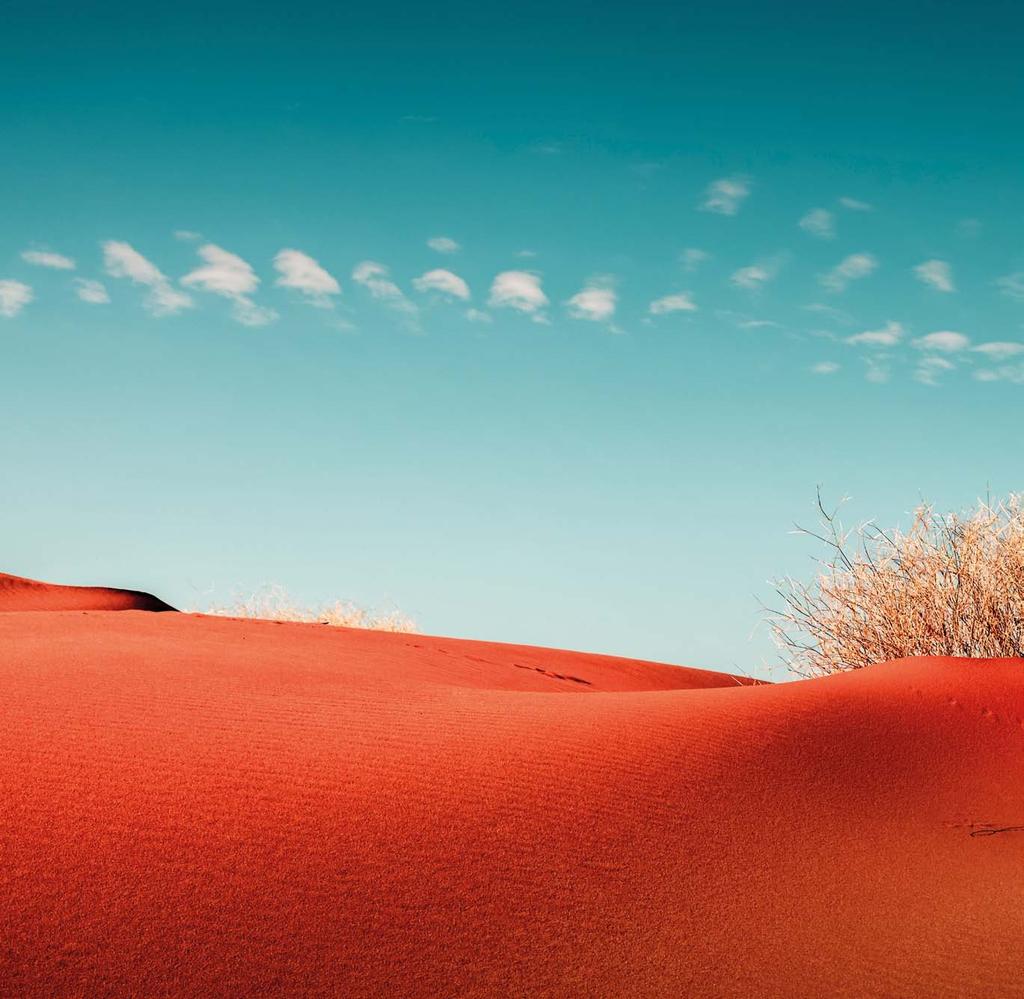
(20, 594)
(200, 806)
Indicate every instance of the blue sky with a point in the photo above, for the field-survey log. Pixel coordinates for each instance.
(541, 323)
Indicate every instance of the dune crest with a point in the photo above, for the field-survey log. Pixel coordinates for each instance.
(20, 594)
(205, 806)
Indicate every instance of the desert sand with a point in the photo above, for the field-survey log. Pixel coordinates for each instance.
(196, 806)
(20, 594)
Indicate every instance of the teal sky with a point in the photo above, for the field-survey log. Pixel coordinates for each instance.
(584, 301)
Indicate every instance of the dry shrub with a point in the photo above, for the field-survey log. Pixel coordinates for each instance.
(952, 585)
(273, 603)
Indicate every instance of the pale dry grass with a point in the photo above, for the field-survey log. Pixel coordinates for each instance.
(952, 585)
(272, 603)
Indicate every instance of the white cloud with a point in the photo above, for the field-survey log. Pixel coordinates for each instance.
(44, 258)
(758, 324)
(679, 302)
(751, 278)
(187, 235)
(936, 273)
(999, 350)
(825, 368)
(725, 195)
(248, 313)
(527, 254)
(888, 336)
(1005, 373)
(819, 222)
(691, 258)
(122, 260)
(303, 274)
(228, 275)
(376, 279)
(928, 370)
(92, 292)
(1012, 285)
(479, 316)
(856, 206)
(14, 296)
(442, 281)
(223, 273)
(851, 268)
(945, 341)
(519, 290)
(443, 244)
(594, 302)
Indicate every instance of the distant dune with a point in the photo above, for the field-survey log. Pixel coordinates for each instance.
(19, 594)
(197, 806)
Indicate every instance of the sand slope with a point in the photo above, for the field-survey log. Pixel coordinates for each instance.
(202, 807)
(19, 594)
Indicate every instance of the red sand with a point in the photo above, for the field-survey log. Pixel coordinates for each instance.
(203, 807)
(19, 594)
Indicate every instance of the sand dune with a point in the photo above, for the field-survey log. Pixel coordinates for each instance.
(19, 594)
(205, 807)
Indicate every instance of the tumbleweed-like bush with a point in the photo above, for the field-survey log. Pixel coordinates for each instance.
(951, 585)
(273, 603)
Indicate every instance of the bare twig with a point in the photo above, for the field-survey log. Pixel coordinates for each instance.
(950, 585)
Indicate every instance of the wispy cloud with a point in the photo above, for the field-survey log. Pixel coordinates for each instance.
(937, 348)
(1012, 285)
(969, 228)
(824, 368)
(999, 350)
(520, 290)
(830, 312)
(757, 275)
(228, 275)
(479, 316)
(748, 323)
(938, 274)
(1004, 373)
(90, 291)
(443, 244)
(878, 370)
(14, 296)
(594, 302)
(122, 260)
(725, 195)
(691, 258)
(679, 302)
(851, 268)
(187, 235)
(888, 336)
(944, 341)
(854, 205)
(819, 222)
(443, 282)
(301, 273)
(930, 368)
(376, 279)
(751, 278)
(44, 258)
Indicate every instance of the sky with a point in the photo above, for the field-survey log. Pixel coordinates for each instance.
(541, 323)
